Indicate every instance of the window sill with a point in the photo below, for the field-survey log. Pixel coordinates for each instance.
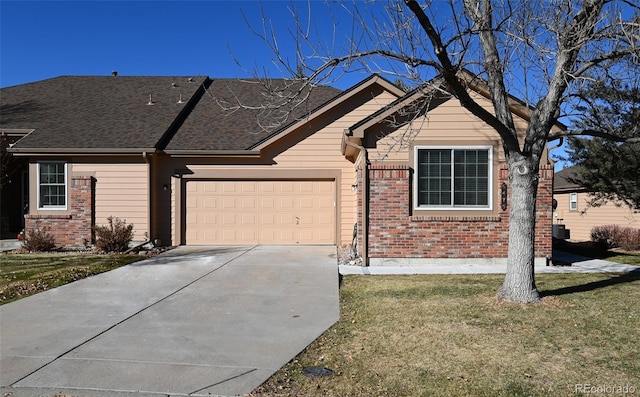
(427, 218)
(48, 216)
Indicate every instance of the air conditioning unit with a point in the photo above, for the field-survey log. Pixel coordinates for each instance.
(560, 232)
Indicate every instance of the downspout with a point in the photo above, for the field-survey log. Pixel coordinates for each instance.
(147, 159)
(560, 143)
(365, 198)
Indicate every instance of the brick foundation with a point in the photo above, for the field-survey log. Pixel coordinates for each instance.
(74, 228)
(396, 232)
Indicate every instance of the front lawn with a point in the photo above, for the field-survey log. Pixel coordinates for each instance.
(446, 335)
(22, 275)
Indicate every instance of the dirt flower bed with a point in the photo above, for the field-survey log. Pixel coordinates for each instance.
(347, 257)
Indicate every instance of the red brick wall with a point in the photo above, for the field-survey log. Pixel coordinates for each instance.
(74, 228)
(394, 232)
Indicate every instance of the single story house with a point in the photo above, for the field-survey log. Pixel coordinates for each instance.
(409, 177)
(575, 212)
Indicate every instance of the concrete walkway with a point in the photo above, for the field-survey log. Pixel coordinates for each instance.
(10, 244)
(191, 322)
(570, 263)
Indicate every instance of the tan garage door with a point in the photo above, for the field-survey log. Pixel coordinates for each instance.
(260, 212)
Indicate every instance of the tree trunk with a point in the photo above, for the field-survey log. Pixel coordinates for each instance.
(519, 283)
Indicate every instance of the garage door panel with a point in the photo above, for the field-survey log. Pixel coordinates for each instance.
(307, 202)
(263, 212)
(325, 188)
(307, 236)
(307, 219)
(210, 202)
(267, 220)
(285, 203)
(267, 202)
(248, 203)
(325, 203)
(286, 220)
(285, 187)
(266, 188)
(207, 188)
(210, 219)
(248, 219)
(229, 218)
(325, 219)
(248, 187)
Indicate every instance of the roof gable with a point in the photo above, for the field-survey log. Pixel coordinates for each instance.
(219, 124)
(421, 100)
(236, 114)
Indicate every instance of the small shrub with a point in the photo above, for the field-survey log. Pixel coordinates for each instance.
(39, 240)
(629, 239)
(115, 237)
(614, 236)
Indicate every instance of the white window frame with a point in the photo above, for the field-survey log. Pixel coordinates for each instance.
(453, 207)
(573, 201)
(41, 206)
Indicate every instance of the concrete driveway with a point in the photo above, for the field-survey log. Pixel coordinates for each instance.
(196, 321)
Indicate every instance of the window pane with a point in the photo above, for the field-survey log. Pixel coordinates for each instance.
(434, 178)
(457, 177)
(52, 196)
(471, 170)
(52, 185)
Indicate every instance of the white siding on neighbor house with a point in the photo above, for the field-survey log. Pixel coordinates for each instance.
(586, 217)
(122, 192)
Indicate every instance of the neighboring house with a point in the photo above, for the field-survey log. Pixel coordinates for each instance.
(178, 158)
(579, 216)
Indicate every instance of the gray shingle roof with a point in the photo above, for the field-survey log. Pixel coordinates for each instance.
(236, 114)
(561, 182)
(106, 112)
(93, 112)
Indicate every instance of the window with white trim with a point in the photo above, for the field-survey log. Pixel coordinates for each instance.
(573, 201)
(453, 178)
(52, 185)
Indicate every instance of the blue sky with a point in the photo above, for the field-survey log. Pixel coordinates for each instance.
(43, 39)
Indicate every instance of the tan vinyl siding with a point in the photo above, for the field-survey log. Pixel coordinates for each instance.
(121, 191)
(449, 122)
(318, 152)
(581, 221)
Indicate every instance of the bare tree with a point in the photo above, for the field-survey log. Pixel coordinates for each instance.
(540, 51)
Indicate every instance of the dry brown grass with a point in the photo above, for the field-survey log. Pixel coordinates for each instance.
(22, 275)
(449, 336)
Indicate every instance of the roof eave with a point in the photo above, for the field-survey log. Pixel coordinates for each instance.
(358, 130)
(16, 132)
(213, 153)
(18, 151)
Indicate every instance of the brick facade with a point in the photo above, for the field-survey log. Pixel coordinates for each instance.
(396, 232)
(74, 228)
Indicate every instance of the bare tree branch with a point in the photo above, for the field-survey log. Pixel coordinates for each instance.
(596, 133)
(449, 73)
